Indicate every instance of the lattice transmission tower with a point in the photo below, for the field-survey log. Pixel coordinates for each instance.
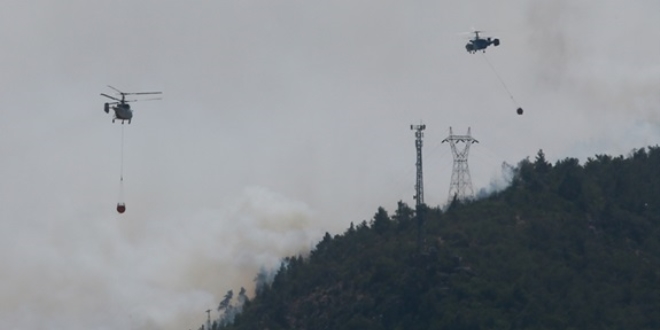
(461, 183)
(419, 183)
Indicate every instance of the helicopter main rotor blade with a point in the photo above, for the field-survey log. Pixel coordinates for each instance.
(111, 97)
(153, 99)
(143, 93)
(116, 90)
(473, 30)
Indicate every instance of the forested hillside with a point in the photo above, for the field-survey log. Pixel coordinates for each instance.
(566, 246)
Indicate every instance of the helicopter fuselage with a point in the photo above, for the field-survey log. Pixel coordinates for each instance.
(122, 112)
(481, 44)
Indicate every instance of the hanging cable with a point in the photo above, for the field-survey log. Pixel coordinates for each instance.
(121, 157)
(519, 109)
(121, 207)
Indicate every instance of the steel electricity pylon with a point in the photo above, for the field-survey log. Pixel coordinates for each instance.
(461, 183)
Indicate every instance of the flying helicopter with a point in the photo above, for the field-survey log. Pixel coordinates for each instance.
(479, 43)
(121, 107)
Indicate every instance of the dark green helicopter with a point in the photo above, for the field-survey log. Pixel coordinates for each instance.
(121, 107)
(477, 43)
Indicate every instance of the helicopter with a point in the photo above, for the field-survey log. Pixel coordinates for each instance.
(121, 107)
(478, 43)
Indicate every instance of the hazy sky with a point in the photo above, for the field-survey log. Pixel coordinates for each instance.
(280, 120)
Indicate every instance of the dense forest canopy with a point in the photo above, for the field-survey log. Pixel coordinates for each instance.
(565, 246)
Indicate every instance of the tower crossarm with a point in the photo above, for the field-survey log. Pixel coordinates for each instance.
(460, 138)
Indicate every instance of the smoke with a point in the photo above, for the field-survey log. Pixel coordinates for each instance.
(312, 100)
(498, 183)
(598, 54)
(228, 310)
(589, 75)
(549, 39)
(159, 270)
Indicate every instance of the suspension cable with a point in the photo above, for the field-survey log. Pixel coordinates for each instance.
(501, 81)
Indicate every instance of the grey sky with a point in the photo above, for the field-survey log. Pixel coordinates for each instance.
(280, 120)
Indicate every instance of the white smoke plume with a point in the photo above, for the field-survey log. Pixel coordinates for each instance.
(498, 182)
(312, 100)
(600, 57)
(153, 272)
